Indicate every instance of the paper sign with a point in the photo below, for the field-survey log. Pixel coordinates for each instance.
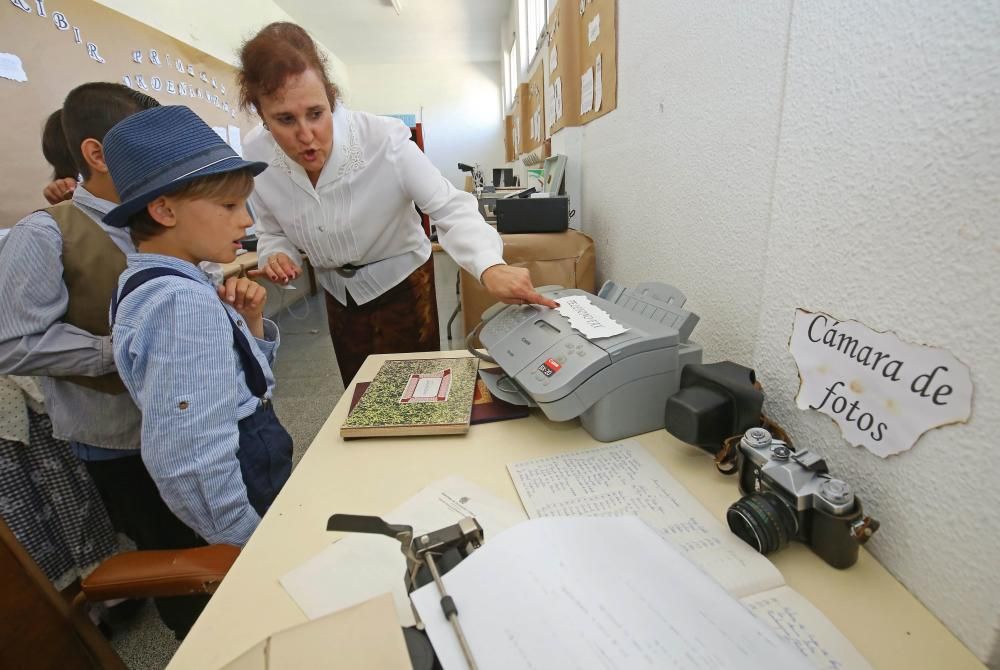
(12, 68)
(586, 317)
(598, 87)
(883, 392)
(234, 139)
(594, 30)
(587, 91)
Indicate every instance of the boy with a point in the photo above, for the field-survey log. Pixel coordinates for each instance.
(198, 369)
(59, 268)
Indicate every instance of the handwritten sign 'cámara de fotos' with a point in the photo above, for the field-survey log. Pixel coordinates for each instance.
(884, 393)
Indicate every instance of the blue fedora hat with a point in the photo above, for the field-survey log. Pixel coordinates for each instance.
(159, 150)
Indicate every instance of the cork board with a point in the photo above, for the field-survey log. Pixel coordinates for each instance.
(532, 111)
(520, 100)
(508, 138)
(58, 47)
(598, 60)
(563, 80)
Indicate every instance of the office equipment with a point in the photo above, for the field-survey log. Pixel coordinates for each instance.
(555, 175)
(416, 397)
(624, 479)
(878, 615)
(618, 386)
(532, 215)
(359, 567)
(593, 594)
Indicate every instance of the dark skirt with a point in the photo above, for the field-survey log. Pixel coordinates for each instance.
(51, 505)
(401, 320)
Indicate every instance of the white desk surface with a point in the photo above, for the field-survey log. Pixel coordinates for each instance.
(372, 476)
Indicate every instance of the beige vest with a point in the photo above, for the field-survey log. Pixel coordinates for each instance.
(92, 263)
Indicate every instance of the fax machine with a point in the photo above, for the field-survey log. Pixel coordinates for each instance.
(617, 385)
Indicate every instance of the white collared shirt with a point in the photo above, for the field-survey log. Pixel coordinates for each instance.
(361, 209)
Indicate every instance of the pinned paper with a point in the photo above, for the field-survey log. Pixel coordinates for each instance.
(12, 68)
(234, 139)
(598, 87)
(553, 60)
(587, 91)
(882, 391)
(586, 317)
(558, 99)
(594, 30)
(221, 132)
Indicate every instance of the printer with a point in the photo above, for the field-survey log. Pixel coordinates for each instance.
(618, 386)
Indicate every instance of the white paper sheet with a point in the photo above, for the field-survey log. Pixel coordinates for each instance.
(359, 567)
(624, 479)
(594, 29)
(598, 85)
(795, 619)
(553, 60)
(594, 594)
(221, 132)
(12, 68)
(234, 139)
(558, 98)
(586, 317)
(549, 104)
(587, 91)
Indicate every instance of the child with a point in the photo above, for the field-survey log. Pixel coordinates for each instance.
(197, 368)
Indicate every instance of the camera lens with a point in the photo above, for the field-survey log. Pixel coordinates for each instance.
(763, 521)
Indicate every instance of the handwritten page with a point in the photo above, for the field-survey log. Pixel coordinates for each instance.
(360, 567)
(586, 317)
(587, 91)
(593, 594)
(796, 620)
(624, 479)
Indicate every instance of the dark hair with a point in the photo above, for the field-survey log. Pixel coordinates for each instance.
(90, 111)
(236, 184)
(55, 150)
(277, 52)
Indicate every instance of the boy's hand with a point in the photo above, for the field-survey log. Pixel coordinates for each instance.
(59, 190)
(279, 268)
(247, 297)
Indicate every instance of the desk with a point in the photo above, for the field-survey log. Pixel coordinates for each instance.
(372, 476)
(239, 267)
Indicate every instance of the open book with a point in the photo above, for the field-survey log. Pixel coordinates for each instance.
(624, 479)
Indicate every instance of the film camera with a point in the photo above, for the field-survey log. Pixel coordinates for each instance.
(790, 495)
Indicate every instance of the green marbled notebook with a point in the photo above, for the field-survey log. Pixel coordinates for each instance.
(428, 396)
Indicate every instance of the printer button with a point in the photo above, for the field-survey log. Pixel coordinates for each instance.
(560, 359)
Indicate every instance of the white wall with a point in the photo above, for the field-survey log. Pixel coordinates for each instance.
(217, 28)
(842, 157)
(458, 104)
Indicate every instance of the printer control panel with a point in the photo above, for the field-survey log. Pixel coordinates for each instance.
(561, 368)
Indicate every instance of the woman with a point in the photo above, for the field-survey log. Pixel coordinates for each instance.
(342, 186)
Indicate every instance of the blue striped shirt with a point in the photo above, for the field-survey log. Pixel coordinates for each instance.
(174, 349)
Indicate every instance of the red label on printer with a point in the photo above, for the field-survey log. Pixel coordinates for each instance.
(549, 367)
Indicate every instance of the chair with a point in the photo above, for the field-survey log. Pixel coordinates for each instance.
(40, 629)
(564, 259)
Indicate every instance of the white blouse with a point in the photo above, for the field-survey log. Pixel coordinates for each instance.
(361, 209)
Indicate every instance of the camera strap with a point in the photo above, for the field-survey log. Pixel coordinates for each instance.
(726, 459)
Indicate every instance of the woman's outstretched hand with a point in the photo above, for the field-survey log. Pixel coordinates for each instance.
(513, 286)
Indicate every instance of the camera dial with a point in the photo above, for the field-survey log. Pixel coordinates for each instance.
(780, 452)
(758, 438)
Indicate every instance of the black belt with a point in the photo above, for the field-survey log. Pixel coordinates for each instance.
(348, 270)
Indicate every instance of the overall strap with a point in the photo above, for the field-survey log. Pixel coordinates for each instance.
(251, 366)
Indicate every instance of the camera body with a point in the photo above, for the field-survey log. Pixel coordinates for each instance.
(789, 495)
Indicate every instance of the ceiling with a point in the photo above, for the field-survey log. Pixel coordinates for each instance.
(363, 32)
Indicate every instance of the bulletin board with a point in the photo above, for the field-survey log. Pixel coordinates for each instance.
(520, 100)
(508, 138)
(47, 49)
(564, 51)
(598, 61)
(532, 111)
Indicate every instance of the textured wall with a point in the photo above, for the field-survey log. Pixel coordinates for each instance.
(886, 199)
(676, 181)
(843, 157)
